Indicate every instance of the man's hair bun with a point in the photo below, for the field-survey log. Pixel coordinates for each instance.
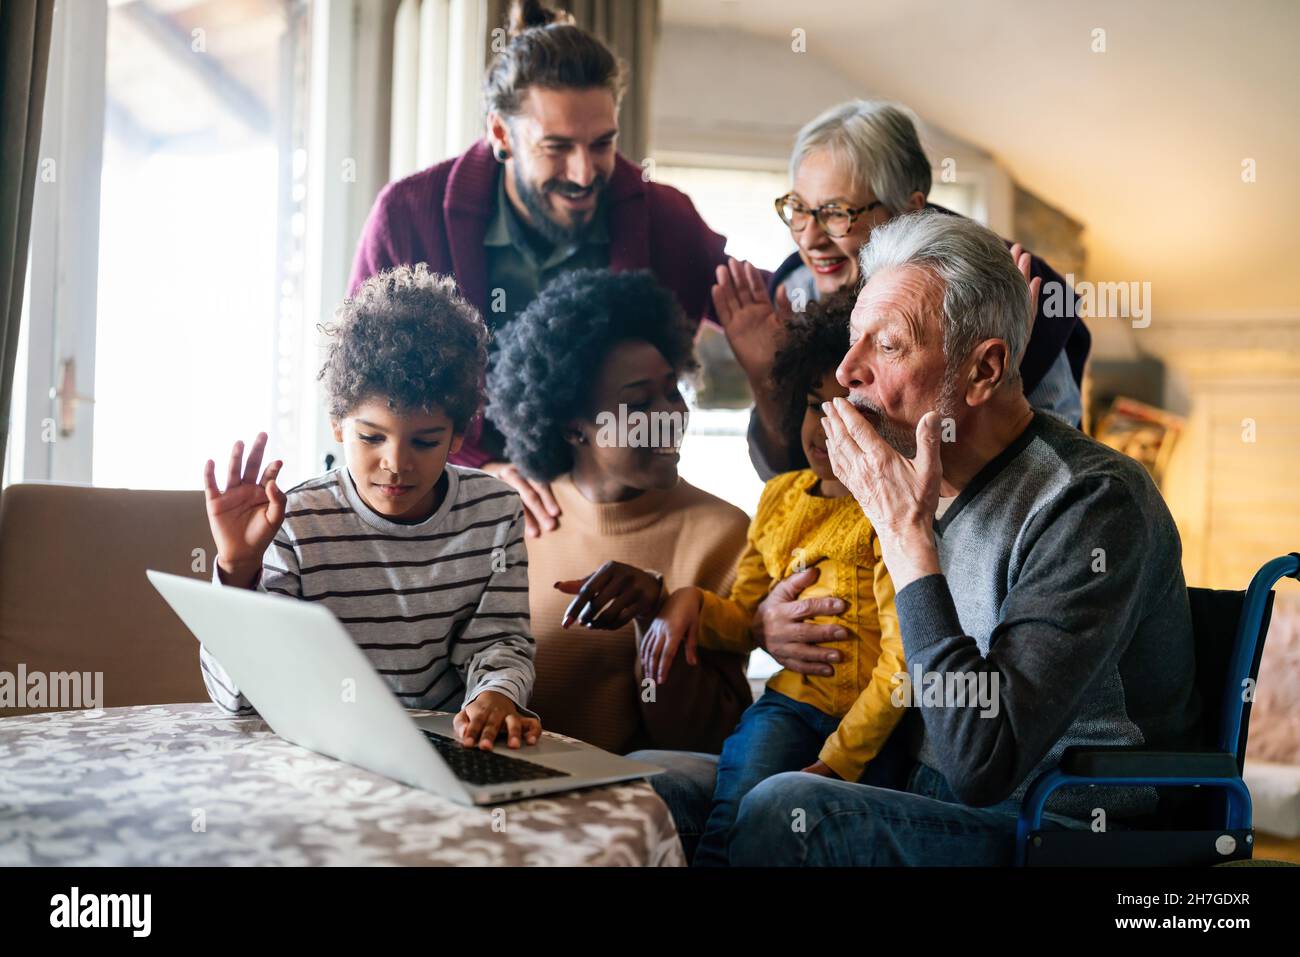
(547, 49)
(528, 14)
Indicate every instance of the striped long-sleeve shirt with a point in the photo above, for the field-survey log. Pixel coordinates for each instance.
(439, 607)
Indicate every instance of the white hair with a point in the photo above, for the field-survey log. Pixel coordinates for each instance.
(879, 144)
(984, 294)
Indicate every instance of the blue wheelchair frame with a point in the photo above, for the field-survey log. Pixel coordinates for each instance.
(1229, 839)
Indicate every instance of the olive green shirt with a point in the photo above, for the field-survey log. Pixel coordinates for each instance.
(516, 273)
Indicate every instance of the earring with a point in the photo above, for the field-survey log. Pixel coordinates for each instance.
(501, 154)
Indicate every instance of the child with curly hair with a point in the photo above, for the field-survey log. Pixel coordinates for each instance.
(835, 726)
(421, 560)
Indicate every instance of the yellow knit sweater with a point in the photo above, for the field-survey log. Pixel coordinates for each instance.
(794, 530)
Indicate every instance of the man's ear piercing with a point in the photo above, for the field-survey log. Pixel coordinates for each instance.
(501, 154)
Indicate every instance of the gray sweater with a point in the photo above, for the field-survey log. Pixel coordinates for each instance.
(439, 607)
(1062, 579)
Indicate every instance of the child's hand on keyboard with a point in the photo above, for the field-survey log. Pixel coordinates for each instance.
(678, 622)
(480, 721)
(245, 517)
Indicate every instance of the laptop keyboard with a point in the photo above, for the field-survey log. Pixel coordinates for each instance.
(477, 766)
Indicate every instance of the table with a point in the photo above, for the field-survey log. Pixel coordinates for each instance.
(188, 784)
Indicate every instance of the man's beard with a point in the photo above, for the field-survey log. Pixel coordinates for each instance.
(903, 440)
(541, 214)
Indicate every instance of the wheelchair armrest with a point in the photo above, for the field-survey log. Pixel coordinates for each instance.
(1131, 767)
(1137, 762)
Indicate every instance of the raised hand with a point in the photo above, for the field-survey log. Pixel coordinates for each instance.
(755, 326)
(1024, 262)
(245, 517)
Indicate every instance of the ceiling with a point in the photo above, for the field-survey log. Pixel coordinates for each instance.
(193, 71)
(1143, 143)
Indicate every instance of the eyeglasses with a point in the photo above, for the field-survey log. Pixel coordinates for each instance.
(834, 219)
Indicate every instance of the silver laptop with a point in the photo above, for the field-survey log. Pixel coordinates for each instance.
(301, 669)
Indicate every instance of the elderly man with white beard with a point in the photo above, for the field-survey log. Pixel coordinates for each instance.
(1029, 561)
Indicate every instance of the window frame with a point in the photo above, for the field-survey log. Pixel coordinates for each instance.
(60, 303)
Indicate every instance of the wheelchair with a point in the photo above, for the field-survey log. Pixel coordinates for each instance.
(1207, 819)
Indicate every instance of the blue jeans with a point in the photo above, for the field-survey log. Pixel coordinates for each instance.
(775, 734)
(686, 786)
(795, 819)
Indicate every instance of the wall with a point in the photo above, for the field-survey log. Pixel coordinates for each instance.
(736, 94)
(729, 93)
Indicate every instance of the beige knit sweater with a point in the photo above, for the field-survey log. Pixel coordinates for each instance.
(589, 682)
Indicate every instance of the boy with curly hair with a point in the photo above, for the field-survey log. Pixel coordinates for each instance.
(421, 560)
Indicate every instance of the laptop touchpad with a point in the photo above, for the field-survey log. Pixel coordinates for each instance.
(547, 745)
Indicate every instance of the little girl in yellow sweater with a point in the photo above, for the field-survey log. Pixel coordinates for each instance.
(830, 725)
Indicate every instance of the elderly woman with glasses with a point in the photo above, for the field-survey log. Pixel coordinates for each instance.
(853, 168)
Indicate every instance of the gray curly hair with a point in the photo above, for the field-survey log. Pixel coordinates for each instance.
(410, 338)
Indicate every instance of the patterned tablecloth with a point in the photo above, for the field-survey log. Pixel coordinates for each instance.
(187, 784)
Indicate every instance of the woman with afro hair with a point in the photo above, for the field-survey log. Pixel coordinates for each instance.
(584, 388)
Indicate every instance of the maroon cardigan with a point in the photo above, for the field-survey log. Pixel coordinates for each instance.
(440, 216)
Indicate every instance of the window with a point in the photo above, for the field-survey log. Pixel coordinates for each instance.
(738, 204)
(172, 323)
(200, 235)
(959, 197)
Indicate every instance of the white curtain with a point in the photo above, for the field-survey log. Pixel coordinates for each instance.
(631, 28)
(438, 64)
